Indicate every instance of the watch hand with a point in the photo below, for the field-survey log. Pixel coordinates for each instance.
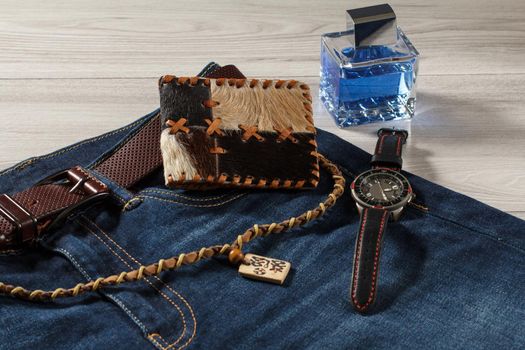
(382, 191)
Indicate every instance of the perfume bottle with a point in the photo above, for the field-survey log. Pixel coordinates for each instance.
(368, 72)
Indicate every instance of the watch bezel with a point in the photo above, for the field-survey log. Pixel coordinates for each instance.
(404, 201)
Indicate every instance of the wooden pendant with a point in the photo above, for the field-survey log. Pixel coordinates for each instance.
(264, 269)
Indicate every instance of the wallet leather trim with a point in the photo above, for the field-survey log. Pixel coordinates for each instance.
(238, 132)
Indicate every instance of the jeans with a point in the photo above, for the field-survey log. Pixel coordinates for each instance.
(452, 269)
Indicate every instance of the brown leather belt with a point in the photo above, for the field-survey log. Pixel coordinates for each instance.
(24, 216)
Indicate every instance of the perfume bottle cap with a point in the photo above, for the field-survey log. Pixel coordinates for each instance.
(373, 25)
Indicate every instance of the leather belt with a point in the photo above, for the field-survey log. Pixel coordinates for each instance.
(24, 216)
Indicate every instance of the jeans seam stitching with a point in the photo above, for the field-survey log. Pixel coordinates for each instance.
(175, 293)
(151, 285)
(110, 182)
(484, 234)
(146, 280)
(151, 337)
(117, 300)
(168, 193)
(135, 260)
(195, 205)
(24, 164)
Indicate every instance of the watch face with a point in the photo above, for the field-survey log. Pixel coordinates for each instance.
(381, 188)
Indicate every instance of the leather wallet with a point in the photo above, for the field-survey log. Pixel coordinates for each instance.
(250, 133)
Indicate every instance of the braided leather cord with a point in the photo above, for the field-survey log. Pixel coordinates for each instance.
(176, 262)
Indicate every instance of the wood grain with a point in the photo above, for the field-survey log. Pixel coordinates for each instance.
(93, 67)
(100, 38)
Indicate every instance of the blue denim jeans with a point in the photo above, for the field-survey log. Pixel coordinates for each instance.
(451, 277)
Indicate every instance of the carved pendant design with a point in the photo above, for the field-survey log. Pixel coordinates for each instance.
(264, 269)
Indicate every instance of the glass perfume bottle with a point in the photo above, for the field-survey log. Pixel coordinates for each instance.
(368, 72)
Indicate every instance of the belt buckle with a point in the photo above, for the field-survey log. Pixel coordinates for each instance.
(81, 180)
(27, 226)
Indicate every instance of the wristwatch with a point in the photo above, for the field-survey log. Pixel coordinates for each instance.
(380, 193)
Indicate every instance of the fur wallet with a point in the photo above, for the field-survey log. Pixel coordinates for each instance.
(246, 133)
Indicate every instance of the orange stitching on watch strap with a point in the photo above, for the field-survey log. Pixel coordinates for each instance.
(373, 282)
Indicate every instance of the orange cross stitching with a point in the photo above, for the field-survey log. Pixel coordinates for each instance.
(177, 126)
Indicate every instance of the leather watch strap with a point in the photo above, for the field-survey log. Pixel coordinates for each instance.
(25, 215)
(366, 258)
(388, 149)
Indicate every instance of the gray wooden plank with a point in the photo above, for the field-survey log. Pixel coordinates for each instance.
(99, 38)
(467, 134)
(519, 214)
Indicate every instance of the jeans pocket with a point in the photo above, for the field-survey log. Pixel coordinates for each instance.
(164, 315)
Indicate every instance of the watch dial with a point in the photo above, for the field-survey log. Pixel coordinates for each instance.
(381, 187)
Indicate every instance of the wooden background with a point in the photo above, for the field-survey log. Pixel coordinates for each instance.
(74, 69)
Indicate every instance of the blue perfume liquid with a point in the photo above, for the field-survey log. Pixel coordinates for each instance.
(367, 84)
